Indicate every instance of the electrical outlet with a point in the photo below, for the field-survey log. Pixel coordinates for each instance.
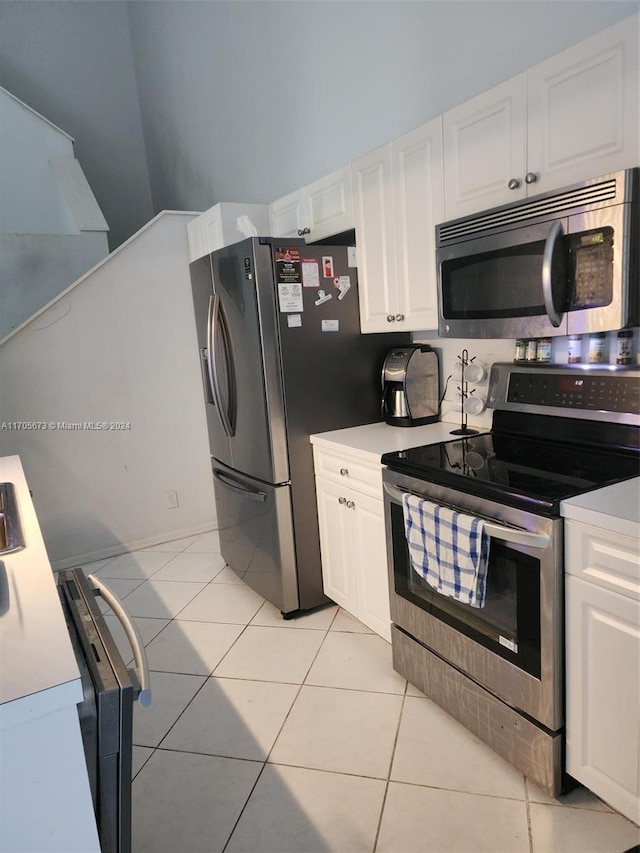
(172, 499)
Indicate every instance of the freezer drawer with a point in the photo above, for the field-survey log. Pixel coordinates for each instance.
(256, 534)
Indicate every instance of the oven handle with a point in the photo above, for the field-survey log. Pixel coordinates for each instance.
(497, 531)
(133, 635)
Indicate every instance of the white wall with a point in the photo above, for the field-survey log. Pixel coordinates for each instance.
(35, 268)
(120, 346)
(72, 62)
(245, 101)
(31, 201)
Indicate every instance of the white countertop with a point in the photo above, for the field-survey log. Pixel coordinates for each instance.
(372, 440)
(616, 508)
(38, 666)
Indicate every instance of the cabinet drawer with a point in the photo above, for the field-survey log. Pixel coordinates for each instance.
(604, 558)
(358, 474)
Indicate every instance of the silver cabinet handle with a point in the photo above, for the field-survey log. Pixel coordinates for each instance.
(342, 500)
(350, 504)
(555, 233)
(137, 646)
(531, 177)
(513, 184)
(390, 318)
(344, 472)
(400, 317)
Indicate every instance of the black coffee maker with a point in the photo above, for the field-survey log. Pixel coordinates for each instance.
(411, 386)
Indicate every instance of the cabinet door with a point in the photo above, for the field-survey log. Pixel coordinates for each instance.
(485, 149)
(329, 205)
(418, 207)
(205, 233)
(336, 547)
(373, 213)
(288, 215)
(603, 693)
(583, 109)
(370, 559)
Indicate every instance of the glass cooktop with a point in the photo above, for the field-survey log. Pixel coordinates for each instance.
(516, 470)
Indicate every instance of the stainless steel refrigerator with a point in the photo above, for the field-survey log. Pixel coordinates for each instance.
(282, 357)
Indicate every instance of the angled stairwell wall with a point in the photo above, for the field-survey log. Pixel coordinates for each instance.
(118, 348)
(51, 227)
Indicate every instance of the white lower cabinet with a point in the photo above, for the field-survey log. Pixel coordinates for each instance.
(603, 664)
(352, 537)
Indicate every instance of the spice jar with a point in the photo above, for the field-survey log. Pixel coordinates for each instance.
(532, 349)
(597, 345)
(575, 349)
(521, 350)
(544, 350)
(623, 346)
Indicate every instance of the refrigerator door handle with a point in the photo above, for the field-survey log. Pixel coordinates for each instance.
(214, 328)
(235, 487)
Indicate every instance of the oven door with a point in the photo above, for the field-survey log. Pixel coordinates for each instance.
(513, 645)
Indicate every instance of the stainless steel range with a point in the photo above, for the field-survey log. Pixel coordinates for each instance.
(557, 432)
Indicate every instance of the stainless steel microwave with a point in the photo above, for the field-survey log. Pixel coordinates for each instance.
(561, 263)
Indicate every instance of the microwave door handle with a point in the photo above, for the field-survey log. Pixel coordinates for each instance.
(213, 327)
(137, 645)
(497, 531)
(555, 233)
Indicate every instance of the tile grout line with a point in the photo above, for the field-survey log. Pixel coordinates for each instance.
(275, 740)
(391, 760)
(528, 813)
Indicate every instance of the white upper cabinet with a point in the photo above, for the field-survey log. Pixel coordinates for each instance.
(319, 210)
(224, 224)
(583, 109)
(572, 117)
(398, 199)
(485, 150)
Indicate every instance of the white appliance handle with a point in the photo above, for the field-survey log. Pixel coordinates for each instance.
(497, 531)
(140, 657)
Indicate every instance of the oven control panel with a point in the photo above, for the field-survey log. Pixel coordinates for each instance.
(580, 390)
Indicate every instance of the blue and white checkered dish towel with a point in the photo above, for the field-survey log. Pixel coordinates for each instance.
(448, 549)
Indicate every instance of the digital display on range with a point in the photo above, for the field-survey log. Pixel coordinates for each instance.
(569, 383)
(599, 393)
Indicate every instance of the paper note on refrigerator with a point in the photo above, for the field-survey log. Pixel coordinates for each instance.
(290, 298)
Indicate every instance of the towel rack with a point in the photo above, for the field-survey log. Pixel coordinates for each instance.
(515, 535)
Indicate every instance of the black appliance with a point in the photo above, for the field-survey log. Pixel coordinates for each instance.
(278, 326)
(557, 432)
(106, 712)
(411, 386)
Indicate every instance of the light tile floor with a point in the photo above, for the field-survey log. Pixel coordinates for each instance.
(273, 736)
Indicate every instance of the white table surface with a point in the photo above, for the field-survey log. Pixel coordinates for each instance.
(372, 440)
(616, 508)
(38, 667)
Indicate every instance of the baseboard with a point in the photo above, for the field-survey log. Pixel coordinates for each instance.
(123, 547)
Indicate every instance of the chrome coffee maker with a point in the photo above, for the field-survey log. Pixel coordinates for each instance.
(410, 386)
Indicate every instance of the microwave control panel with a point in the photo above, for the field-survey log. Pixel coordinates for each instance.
(562, 391)
(592, 253)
